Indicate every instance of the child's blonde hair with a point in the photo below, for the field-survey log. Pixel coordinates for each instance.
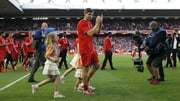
(50, 38)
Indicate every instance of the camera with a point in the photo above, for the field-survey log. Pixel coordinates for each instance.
(138, 38)
(138, 62)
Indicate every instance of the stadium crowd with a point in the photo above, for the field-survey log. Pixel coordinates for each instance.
(70, 24)
(65, 25)
(123, 42)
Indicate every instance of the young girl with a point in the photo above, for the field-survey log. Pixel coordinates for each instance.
(72, 67)
(51, 66)
(77, 64)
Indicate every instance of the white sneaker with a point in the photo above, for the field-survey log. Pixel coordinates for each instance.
(77, 89)
(58, 95)
(34, 89)
(91, 88)
(80, 87)
(62, 78)
(81, 84)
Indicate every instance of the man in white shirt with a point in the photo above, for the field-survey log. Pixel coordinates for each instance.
(174, 46)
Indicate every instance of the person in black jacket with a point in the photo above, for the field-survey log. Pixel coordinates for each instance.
(155, 48)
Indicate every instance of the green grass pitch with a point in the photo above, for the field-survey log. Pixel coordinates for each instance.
(123, 84)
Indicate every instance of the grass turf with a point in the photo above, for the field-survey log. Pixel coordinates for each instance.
(123, 84)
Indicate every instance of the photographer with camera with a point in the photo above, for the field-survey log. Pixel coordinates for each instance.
(155, 48)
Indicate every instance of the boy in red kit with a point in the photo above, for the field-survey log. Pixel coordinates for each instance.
(15, 54)
(10, 50)
(88, 55)
(29, 51)
(3, 46)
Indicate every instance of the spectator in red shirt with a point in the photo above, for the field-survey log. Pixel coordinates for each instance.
(108, 51)
(63, 42)
(88, 55)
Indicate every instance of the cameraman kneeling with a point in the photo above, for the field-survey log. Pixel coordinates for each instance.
(155, 48)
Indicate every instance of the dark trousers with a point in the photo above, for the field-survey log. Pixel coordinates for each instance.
(174, 52)
(168, 61)
(9, 59)
(108, 56)
(178, 54)
(161, 72)
(63, 56)
(39, 60)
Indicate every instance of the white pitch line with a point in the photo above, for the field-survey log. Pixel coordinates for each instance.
(12, 83)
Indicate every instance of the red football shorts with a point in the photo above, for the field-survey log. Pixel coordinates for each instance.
(89, 58)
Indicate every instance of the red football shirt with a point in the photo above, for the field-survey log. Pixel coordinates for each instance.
(10, 40)
(29, 48)
(24, 49)
(85, 41)
(2, 49)
(63, 42)
(15, 54)
(107, 44)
